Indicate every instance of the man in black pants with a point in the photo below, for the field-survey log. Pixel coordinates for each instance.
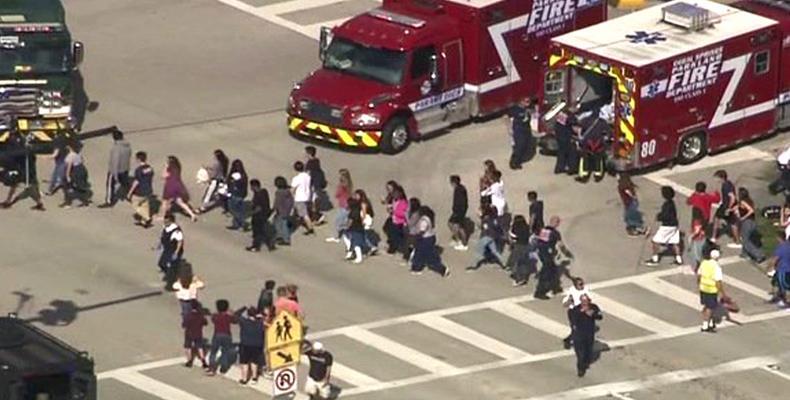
(171, 244)
(584, 318)
(261, 210)
(549, 243)
(457, 220)
(566, 149)
(523, 142)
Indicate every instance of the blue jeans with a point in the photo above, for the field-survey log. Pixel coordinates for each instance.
(487, 243)
(341, 219)
(632, 216)
(58, 177)
(281, 228)
(223, 344)
(236, 207)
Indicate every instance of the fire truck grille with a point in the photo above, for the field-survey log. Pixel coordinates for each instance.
(18, 101)
(324, 113)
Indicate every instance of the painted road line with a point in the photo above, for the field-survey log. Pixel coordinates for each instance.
(745, 287)
(621, 396)
(268, 17)
(263, 386)
(142, 367)
(286, 7)
(533, 319)
(471, 336)
(153, 386)
(633, 316)
(742, 154)
(773, 369)
(395, 349)
(654, 381)
(352, 376)
(670, 291)
(661, 180)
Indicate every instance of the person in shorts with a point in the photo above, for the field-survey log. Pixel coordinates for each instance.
(709, 278)
(193, 324)
(251, 330)
(668, 232)
(301, 185)
(317, 385)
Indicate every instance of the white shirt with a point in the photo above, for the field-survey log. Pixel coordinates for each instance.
(497, 193)
(784, 157)
(301, 185)
(189, 293)
(575, 296)
(175, 234)
(787, 232)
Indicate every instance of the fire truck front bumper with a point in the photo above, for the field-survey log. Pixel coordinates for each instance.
(351, 138)
(40, 129)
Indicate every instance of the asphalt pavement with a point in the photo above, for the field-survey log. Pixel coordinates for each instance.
(185, 77)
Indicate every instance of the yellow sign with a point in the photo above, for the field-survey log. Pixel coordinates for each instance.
(284, 330)
(284, 356)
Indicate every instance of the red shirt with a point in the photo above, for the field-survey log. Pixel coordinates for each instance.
(222, 323)
(703, 201)
(193, 325)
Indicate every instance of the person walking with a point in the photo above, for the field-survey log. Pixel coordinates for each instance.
(668, 232)
(251, 343)
(171, 247)
(711, 288)
(425, 252)
(779, 265)
(491, 234)
(634, 224)
(522, 258)
(727, 211)
(535, 211)
(343, 190)
(24, 164)
(142, 190)
(703, 201)
(391, 189)
(355, 231)
(193, 323)
(572, 300)
(697, 238)
(301, 185)
(371, 239)
(412, 228)
(457, 221)
(219, 357)
(78, 186)
(398, 220)
(174, 190)
(550, 244)
(486, 180)
(186, 289)
(584, 319)
(317, 385)
(261, 211)
(497, 192)
(216, 188)
(319, 198)
(593, 148)
(521, 133)
(283, 208)
(566, 162)
(117, 184)
(237, 189)
(57, 179)
(748, 227)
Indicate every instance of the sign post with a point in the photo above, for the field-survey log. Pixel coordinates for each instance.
(283, 351)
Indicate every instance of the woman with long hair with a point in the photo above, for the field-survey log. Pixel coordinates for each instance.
(174, 190)
(522, 253)
(366, 208)
(283, 208)
(217, 172)
(489, 167)
(634, 224)
(354, 236)
(413, 217)
(345, 187)
(748, 227)
(237, 188)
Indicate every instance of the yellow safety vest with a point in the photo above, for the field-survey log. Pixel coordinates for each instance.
(707, 280)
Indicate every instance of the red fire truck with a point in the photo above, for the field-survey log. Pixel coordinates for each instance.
(411, 67)
(682, 79)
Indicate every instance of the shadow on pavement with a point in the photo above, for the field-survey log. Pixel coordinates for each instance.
(64, 312)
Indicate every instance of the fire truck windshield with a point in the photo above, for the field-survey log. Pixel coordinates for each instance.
(382, 65)
(35, 53)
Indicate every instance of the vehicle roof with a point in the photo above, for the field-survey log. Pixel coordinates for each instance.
(34, 10)
(776, 9)
(376, 32)
(24, 348)
(475, 3)
(622, 39)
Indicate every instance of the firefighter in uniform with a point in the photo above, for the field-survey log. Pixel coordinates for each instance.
(20, 168)
(171, 245)
(523, 142)
(566, 149)
(592, 148)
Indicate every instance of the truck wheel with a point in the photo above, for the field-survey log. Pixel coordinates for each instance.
(692, 148)
(395, 136)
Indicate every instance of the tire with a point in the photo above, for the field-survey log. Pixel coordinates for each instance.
(395, 137)
(692, 148)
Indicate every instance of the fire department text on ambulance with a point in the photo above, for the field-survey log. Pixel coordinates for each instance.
(693, 73)
(549, 16)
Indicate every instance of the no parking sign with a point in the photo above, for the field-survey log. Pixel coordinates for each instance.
(284, 381)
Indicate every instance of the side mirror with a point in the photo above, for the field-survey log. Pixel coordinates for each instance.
(433, 73)
(77, 53)
(324, 40)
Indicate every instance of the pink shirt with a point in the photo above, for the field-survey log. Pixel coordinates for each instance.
(284, 303)
(399, 210)
(341, 195)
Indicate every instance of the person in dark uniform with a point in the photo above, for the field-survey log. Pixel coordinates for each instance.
(592, 145)
(171, 245)
(549, 243)
(566, 149)
(583, 318)
(22, 170)
(261, 210)
(523, 142)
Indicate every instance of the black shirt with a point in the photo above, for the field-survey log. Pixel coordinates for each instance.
(521, 120)
(727, 189)
(144, 175)
(520, 233)
(355, 218)
(237, 187)
(460, 202)
(317, 177)
(490, 227)
(536, 214)
(583, 324)
(260, 204)
(319, 363)
(668, 216)
(265, 300)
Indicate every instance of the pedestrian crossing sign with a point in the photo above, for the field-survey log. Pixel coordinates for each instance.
(284, 356)
(285, 329)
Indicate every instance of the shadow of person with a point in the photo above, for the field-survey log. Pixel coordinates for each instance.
(334, 391)
(82, 103)
(61, 313)
(598, 348)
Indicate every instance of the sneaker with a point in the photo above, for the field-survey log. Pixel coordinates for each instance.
(472, 268)
(64, 206)
(652, 262)
(678, 260)
(252, 249)
(453, 243)
(542, 296)
(518, 283)
(734, 245)
(38, 207)
(461, 247)
(416, 272)
(446, 273)
(188, 364)
(321, 220)
(332, 240)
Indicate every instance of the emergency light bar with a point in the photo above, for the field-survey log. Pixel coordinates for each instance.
(31, 27)
(396, 18)
(689, 16)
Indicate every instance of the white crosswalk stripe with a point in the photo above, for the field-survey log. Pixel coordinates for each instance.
(470, 336)
(634, 316)
(670, 291)
(744, 286)
(395, 349)
(153, 386)
(286, 7)
(533, 319)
